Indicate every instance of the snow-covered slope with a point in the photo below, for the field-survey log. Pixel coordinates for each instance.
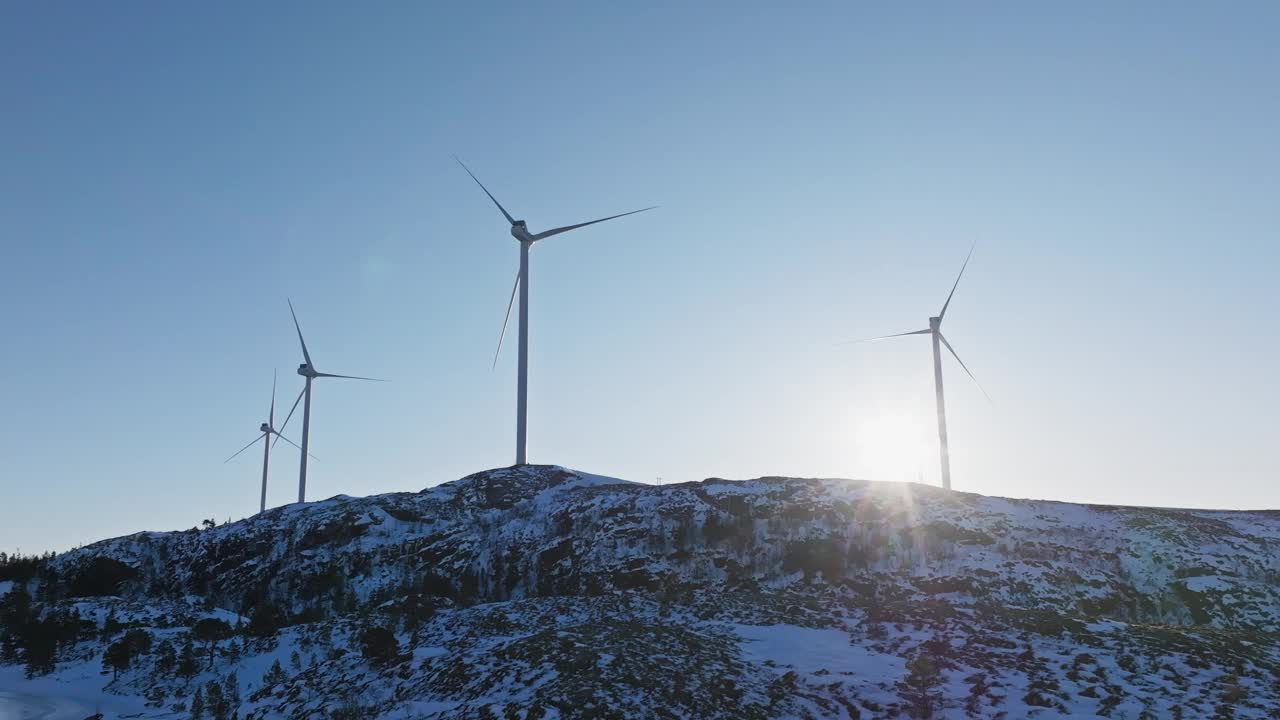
(543, 592)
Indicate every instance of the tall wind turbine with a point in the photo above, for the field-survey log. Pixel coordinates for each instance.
(308, 371)
(526, 239)
(935, 330)
(267, 429)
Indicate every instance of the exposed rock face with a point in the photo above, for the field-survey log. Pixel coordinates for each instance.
(538, 589)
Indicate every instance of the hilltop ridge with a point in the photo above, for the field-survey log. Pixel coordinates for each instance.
(544, 587)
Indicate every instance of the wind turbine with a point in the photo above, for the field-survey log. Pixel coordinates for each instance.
(935, 330)
(526, 239)
(267, 429)
(308, 371)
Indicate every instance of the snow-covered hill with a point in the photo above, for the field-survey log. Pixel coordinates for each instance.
(543, 592)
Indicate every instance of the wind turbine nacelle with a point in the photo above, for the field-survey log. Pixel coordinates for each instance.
(304, 370)
(520, 231)
(264, 428)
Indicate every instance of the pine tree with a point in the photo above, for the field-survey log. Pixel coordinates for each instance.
(15, 618)
(117, 657)
(41, 647)
(110, 626)
(139, 641)
(274, 675)
(197, 705)
(166, 658)
(210, 631)
(215, 700)
(187, 666)
(922, 687)
(231, 692)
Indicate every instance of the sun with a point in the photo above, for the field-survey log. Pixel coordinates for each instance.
(891, 447)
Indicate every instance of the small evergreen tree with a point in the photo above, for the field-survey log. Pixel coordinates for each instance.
(117, 657)
(166, 659)
(274, 675)
(231, 692)
(922, 687)
(215, 701)
(197, 705)
(110, 626)
(187, 666)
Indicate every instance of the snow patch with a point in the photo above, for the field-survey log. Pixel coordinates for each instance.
(808, 650)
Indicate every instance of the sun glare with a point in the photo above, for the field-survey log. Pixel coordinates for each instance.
(892, 447)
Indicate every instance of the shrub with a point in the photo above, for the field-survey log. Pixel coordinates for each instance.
(379, 646)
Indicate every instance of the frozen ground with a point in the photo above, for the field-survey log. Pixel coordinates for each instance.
(18, 706)
(74, 692)
(539, 592)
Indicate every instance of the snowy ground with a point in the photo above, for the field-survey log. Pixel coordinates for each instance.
(543, 593)
(17, 706)
(73, 693)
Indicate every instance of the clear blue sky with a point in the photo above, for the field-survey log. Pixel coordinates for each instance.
(171, 172)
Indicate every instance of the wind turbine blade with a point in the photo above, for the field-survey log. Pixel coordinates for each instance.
(486, 192)
(313, 457)
(271, 418)
(957, 283)
(966, 367)
(567, 228)
(246, 447)
(349, 377)
(288, 417)
(306, 355)
(925, 331)
(506, 319)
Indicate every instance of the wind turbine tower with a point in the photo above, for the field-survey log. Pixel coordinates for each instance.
(520, 231)
(939, 340)
(308, 371)
(267, 429)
